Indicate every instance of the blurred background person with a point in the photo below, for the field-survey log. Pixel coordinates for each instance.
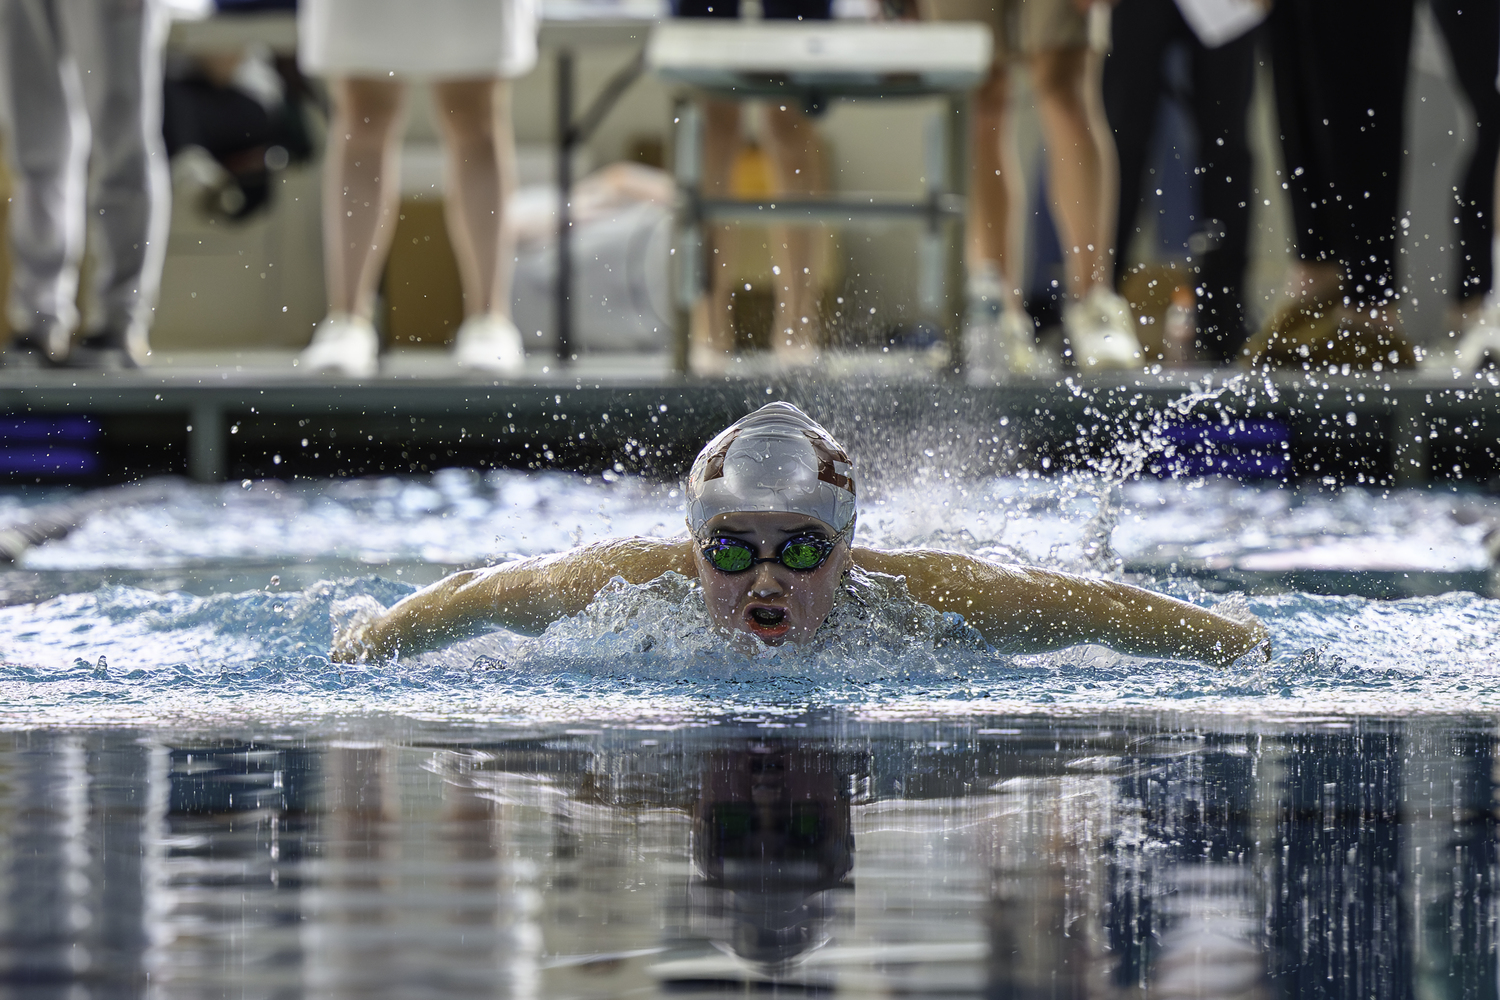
(83, 96)
(369, 49)
(1218, 42)
(1472, 33)
(1061, 43)
(1340, 69)
(796, 167)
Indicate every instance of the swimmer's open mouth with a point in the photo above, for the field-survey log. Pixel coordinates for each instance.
(767, 617)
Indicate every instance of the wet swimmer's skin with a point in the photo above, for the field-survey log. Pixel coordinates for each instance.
(770, 514)
(1017, 609)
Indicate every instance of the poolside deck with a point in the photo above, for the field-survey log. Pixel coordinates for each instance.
(253, 414)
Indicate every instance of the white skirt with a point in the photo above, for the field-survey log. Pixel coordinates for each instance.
(434, 39)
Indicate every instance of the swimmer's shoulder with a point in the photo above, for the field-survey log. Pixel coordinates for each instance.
(904, 562)
(871, 557)
(638, 558)
(638, 544)
(953, 581)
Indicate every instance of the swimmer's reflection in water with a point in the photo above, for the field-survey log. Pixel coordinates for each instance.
(771, 519)
(771, 841)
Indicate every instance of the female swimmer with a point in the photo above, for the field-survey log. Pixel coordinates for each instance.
(770, 515)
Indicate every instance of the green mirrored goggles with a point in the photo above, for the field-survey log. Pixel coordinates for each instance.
(802, 553)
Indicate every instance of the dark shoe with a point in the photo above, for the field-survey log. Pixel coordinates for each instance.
(45, 346)
(1310, 335)
(112, 349)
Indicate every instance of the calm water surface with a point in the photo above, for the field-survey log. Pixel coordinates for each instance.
(820, 855)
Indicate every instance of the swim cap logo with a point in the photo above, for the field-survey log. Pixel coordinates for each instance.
(713, 465)
(830, 459)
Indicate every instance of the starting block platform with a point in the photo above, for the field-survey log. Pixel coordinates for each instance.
(233, 417)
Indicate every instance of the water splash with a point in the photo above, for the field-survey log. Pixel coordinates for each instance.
(649, 653)
(876, 632)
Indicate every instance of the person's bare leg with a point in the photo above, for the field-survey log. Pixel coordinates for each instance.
(712, 326)
(475, 120)
(992, 233)
(361, 189)
(796, 168)
(1079, 163)
(1109, 168)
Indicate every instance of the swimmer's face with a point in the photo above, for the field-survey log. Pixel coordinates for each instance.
(770, 601)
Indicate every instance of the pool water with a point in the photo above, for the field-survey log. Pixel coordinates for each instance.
(821, 854)
(217, 604)
(197, 803)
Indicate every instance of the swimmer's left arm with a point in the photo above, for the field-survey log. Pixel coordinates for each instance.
(1020, 609)
(526, 596)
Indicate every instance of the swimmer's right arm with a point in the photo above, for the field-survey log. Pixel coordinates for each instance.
(524, 596)
(1028, 609)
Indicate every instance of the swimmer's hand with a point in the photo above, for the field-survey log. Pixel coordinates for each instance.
(1256, 643)
(350, 647)
(352, 618)
(1251, 637)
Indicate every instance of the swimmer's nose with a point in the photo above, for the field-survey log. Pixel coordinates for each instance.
(764, 582)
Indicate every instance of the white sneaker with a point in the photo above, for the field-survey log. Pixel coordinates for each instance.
(343, 345)
(1480, 344)
(489, 343)
(1099, 329)
(1018, 335)
(983, 351)
(999, 339)
(794, 352)
(707, 361)
(996, 346)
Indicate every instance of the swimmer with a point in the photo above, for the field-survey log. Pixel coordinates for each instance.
(770, 518)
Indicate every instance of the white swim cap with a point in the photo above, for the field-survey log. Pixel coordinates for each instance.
(775, 459)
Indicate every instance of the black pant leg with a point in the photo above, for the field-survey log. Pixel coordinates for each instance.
(1472, 30)
(1298, 102)
(1132, 92)
(706, 8)
(1340, 70)
(1223, 81)
(1371, 153)
(797, 10)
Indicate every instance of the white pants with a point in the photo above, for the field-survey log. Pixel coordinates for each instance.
(76, 76)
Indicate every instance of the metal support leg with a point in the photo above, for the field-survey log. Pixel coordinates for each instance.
(957, 160)
(566, 138)
(206, 462)
(930, 257)
(687, 165)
